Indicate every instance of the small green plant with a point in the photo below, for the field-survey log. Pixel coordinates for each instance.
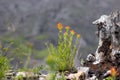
(38, 69)
(56, 76)
(4, 66)
(4, 63)
(20, 77)
(61, 58)
(109, 78)
(61, 77)
(51, 76)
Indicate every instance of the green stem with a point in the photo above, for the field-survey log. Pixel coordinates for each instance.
(28, 59)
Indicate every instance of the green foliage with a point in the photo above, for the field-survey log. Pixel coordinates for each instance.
(61, 58)
(62, 77)
(4, 66)
(37, 69)
(20, 77)
(110, 78)
(23, 51)
(56, 76)
(18, 49)
(51, 76)
(41, 54)
(41, 37)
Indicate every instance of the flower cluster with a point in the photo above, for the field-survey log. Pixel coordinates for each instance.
(62, 57)
(72, 32)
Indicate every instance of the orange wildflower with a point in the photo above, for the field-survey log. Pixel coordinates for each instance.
(65, 33)
(72, 32)
(59, 26)
(78, 35)
(113, 71)
(67, 27)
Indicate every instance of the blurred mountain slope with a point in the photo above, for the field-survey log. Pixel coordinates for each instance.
(39, 17)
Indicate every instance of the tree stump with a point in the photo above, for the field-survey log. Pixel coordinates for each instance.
(107, 54)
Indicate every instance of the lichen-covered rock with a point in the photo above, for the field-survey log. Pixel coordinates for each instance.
(76, 76)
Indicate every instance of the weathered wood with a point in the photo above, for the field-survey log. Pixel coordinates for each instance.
(104, 24)
(109, 36)
(107, 54)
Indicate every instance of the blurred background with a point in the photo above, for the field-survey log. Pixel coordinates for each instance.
(26, 25)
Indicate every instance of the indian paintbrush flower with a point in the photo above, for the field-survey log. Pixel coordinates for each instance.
(59, 26)
(65, 33)
(113, 71)
(78, 35)
(67, 27)
(72, 32)
(61, 58)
